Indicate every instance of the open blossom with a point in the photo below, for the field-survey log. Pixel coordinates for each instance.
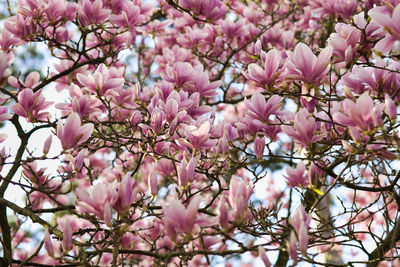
(303, 65)
(22, 27)
(92, 12)
(260, 109)
(361, 114)
(210, 9)
(296, 177)
(191, 79)
(199, 137)
(265, 77)
(178, 219)
(345, 42)
(31, 80)
(390, 24)
(125, 194)
(303, 129)
(94, 201)
(31, 105)
(72, 134)
(101, 81)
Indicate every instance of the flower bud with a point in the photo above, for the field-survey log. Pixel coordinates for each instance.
(47, 144)
(152, 182)
(259, 145)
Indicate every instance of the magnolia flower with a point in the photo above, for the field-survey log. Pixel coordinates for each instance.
(210, 9)
(259, 146)
(239, 195)
(72, 134)
(303, 65)
(222, 211)
(296, 177)
(263, 256)
(264, 77)
(390, 24)
(31, 105)
(361, 114)
(125, 194)
(178, 219)
(94, 201)
(102, 80)
(303, 129)
(260, 109)
(48, 245)
(300, 223)
(92, 12)
(67, 235)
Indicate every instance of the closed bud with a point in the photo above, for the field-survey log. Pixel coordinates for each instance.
(48, 245)
(152, 182)
(259, 145)
(47, 144)
(135, 118)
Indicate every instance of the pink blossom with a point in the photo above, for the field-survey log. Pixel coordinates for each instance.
(265, 77)
(292, 246)
(94, 201)
(102, 80)
(92, 12)
(186, 171)
(178, 219)
(128, 17)
(259, 146)
(72, 134)
(390, 107)
(125, 195)
(345, 42)
(199, 137)
(7, 39)
(31, 80)
(296, 177)
(263, 256)
(303, 129)
(47, 144)
(239, 195)
(191, 79)
(210, 9)
(22, 27)
(303, 65)
(222, 211)
(300, 222)
(31, 106)
(35, 175)
(260, 109)
(4, 71)
(48, 245)
(4, 115)
(390, 24)
(361, 114)
(152, 182)
(67, 235)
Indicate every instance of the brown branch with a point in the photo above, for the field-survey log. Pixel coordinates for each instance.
(68, 71)
(388, 243)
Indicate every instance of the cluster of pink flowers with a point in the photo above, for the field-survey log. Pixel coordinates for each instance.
(192, 128)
